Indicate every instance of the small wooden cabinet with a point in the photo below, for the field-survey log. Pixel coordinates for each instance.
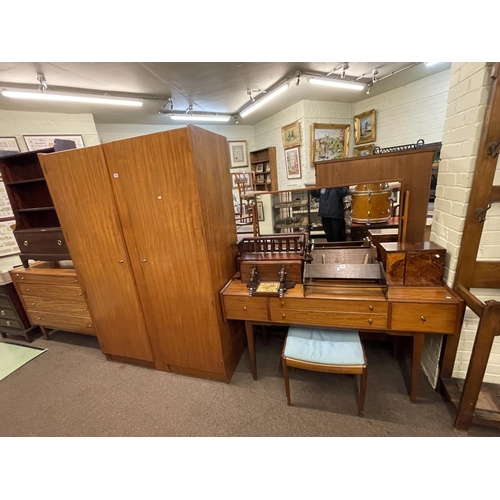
(263, 164)
(38, 232)
(53, 297)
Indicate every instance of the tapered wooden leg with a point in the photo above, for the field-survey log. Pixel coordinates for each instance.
(416, 358)
(287, 381)
(45, 332)
(251, 348)
(362, 392)
(488, 327)
(395, 346)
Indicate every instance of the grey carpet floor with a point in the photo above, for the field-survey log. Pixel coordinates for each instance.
(73, 391)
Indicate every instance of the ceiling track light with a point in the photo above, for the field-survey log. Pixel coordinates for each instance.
(270, 94)
(67, 97)
(190, 116)
(332, 82)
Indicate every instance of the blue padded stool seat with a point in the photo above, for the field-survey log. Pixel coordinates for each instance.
(325, 350)
(324, 345)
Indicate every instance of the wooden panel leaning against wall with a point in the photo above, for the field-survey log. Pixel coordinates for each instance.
(170, 200)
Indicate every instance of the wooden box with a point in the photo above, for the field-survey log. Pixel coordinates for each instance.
(413, 264)
(269, 270)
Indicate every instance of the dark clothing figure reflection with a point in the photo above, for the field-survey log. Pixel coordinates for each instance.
(331, 211)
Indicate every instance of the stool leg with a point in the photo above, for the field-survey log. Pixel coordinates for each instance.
(287, 381)
(362, 392)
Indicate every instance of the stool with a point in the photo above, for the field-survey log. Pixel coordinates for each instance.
(325, 350)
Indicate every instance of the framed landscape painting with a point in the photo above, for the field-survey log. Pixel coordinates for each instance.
(364, 127)
(290, 135)
(329, 141)
(364, 150)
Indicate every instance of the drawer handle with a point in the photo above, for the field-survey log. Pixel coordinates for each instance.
(76, 281)
(144, 260)
(85, 310)
(370, 321)
(371, 308)
(120, 261)
(27, 289)
(7, 323)
(422, 318)
(245, 308)
(38, 318)
(283, 316)
(25, 243)
(32, 303)
(22, 277)
(282, 304)
(90, 326)
(2, 312)
(59, 242)
(79, 295)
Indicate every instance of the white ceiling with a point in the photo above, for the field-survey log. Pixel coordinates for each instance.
(209, 87)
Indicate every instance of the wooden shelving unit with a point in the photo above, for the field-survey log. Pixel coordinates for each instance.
(263, 164)
(38, 231)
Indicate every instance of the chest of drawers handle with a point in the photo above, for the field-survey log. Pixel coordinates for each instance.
(422, 318)
(7, 323)
(2, 312)
(283, 316)
(282, 304)
(59, 242)
(370, 307)
(25, 243)
(370, 321)
(245, 308)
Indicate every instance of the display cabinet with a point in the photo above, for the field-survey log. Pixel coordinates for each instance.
(263, 164)
(38, 231)
(290, 211)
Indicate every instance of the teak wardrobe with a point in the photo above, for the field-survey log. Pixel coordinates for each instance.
(149, 222)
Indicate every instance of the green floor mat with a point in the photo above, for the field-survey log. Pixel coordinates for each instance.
(13, 356)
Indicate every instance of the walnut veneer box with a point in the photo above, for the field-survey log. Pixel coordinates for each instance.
(52, 297)
(415, 264)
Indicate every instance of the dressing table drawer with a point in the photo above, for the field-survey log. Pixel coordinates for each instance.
(436, 318)
(246, 308)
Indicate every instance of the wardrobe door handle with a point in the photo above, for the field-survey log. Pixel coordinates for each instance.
(423, 318)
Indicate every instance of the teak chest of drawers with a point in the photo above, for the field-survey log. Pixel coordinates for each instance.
(53, 298)
(404, 311)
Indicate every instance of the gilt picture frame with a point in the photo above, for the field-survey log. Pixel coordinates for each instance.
(364, 150)
(329, 141)
(290, 135)
(239, 154)
(364, 127)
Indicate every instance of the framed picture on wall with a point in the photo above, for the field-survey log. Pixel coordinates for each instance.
(364, 127)
(260, 210)
(36, 142)
(290, 135)
(9, 144)
(364, 150)
(329, 141)
(239, 154)
(292, 162)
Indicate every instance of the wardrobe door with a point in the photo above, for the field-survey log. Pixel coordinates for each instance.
(80, 187)
(157, 196)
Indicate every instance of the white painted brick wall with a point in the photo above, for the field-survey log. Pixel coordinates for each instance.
(409, 113)
(466, 107)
